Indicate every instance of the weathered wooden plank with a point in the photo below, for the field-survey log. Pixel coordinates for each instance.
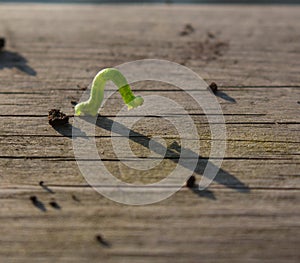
(219, 48)
(250, 212)
(239, 131)
(215, 233)
(233, 174)
(49, 147)
(259, 104)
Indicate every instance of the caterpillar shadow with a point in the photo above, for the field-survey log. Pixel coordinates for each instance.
(173, 153)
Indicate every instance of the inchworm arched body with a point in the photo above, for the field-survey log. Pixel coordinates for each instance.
(91, 106)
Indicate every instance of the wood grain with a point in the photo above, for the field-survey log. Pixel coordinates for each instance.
(250, 212)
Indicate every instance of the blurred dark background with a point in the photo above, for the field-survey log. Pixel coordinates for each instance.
(159, 1)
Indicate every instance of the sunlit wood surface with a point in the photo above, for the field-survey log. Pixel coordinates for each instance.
(250, 213)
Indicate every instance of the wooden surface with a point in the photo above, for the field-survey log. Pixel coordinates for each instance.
(250, 213)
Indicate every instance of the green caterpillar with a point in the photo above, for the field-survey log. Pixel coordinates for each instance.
(91, 106)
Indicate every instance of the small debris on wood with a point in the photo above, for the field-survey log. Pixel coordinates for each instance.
(213, 87)
(57, 118)
(298, 102)
(210, 34)
(102, 241)
(2, 42)
(81, 87)
(187, 30)
(33, 198)
(190, 183)
(75, 198)
(55, 205)
(41, 183)
(74, 102)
